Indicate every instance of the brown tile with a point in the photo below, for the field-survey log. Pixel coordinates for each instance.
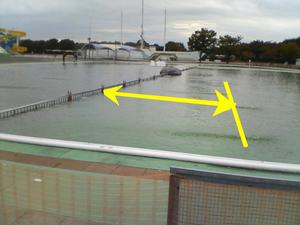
(10, 156)
(35, 160)
(129, 171)
(71, 164)
(101, 168)
(156, 174)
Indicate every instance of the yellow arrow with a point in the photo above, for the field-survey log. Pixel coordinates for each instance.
(222, 105)
(236, 117)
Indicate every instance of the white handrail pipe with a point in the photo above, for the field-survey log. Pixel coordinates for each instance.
(179, 156)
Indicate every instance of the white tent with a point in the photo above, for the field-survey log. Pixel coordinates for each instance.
(112, 51)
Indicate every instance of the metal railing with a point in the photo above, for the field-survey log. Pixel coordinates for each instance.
(151, 153)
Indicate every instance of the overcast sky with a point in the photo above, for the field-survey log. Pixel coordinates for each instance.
(272, 20)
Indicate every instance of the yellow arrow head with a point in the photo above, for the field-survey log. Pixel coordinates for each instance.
(111, 93)
(224, 104)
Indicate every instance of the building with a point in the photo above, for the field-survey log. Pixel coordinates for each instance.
(298, 62)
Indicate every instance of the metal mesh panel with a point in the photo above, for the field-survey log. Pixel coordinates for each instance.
(202, 200)
(44, 196)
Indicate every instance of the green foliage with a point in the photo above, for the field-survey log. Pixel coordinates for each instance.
(78, 45)
(28, 44)
(289, 52)
(204, 41)
(260, 51)
(175, 46)
(52, 44)
(67, 44)
(159, 47)
(229, 46)
(256, 47)
(41, 46)
(34, 46)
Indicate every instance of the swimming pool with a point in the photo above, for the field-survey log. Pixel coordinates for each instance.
(267, 101)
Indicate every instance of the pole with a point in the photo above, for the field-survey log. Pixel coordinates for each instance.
(142, 26)
(90, 38)
(165, 29)
(121, 27)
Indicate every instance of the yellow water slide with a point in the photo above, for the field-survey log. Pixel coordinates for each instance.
(17, 33)
(14, 34)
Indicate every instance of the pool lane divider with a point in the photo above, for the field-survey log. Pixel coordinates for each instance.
(160, 154)
(6, 113)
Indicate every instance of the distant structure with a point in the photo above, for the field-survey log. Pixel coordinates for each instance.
(10, 40)
(174, 56)
(98, 51)
(298, 62)
(94, 50)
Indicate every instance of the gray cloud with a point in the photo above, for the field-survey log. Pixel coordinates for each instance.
(253, 19)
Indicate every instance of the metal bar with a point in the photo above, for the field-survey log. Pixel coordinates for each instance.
(173, 200)
(223, 178)
(179, 156)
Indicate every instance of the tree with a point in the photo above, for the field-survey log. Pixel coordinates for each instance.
(256, 47)
(159, 47)
(28, 44)
(204, 41)
(270, 52)
(294, 40)
(78, 45)
(228, 45)
(39, 46)
(175, 46)
(34, 46)
(289, 52)
(52, 44)
(66, 44)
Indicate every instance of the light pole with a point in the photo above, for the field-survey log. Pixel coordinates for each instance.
(142, 26)
(165, 30)
(89, 39)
